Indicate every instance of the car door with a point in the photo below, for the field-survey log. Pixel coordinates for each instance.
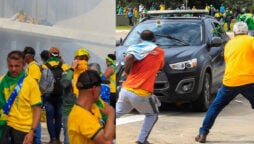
(214, 29)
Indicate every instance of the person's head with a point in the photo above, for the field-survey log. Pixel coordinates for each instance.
(82, 54)
(29, 54)
(95, 67)
(240, 28)
(44, 55)
(15, 63)
(54, 52)
(110, 59)
(88, 84)
(147, 35)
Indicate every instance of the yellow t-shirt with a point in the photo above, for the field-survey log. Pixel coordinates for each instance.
(33, 70)
(83, 125)
(139, 92)
(239, 58)
(112, 84)
(21, 115)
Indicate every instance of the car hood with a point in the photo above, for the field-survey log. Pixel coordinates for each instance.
(183, 52)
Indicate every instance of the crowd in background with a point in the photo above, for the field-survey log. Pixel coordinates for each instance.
(137, 13)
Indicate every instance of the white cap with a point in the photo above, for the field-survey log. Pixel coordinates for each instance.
(240, 28)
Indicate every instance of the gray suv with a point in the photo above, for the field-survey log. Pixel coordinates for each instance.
(194, 63)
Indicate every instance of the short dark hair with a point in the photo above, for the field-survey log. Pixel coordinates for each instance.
(15, 55)
(29, 50)
(147, 35)
(45, 55)
(88, 79)
(112, 56)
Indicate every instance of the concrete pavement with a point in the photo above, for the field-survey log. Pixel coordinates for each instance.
(45, 136)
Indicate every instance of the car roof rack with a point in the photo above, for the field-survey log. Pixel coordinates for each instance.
(179, 13)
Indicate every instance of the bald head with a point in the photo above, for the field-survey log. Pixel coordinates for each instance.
(147, 35)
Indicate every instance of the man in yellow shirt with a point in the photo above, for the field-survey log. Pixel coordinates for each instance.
(238, 77)
(24, 112)
(33, 69)
(85, 124)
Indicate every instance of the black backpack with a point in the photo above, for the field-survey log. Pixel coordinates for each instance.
(57, 72)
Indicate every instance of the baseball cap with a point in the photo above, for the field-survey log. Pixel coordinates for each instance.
(82, 52)
(88, 79)
(54, 51)
(29, 50)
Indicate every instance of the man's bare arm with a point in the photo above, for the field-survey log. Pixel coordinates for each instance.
(128, 62)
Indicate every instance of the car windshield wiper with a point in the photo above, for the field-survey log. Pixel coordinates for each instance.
(171, 37)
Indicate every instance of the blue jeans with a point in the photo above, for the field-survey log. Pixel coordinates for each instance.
(37, 137)
(224, 96)
(54, 118)
(65, 127)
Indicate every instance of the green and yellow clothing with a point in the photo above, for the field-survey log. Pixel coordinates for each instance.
(34, 71)
(20, 116)
(135, 13)
(217, 15)
(56, 62)
(112, 84)
(83, 125)
(207, 8)
(69, 98)
(239, 49)
(3, 117)
(112, 78)
(82, 67)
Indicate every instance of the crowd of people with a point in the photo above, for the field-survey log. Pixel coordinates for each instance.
(77, 101)
(137, 13)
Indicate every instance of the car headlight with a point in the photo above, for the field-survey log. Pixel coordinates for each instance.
(184, 65)
(119, 63)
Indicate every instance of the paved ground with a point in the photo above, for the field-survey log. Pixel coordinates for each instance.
(234, 125)
(45, 136)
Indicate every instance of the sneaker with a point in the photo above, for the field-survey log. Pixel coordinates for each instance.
(201, 138)
(146, 142)
(54, 141)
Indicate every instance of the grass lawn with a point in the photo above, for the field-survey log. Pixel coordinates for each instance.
(123, 27)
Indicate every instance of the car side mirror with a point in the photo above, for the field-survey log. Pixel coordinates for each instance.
(251, 33)
(119, 42)
(216, 41)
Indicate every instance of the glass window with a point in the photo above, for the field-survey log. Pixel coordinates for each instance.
(175, 33)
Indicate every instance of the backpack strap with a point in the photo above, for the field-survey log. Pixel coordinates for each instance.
(48, 65)
(60, 65)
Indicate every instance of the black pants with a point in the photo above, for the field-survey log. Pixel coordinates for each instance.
(130, 21)
(12, 136)
(113, 99)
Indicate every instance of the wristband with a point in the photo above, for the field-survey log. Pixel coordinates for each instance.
(33, 129)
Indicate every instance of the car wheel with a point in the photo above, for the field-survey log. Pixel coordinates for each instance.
(204, 100)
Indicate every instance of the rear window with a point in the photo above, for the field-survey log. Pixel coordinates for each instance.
(189, 33)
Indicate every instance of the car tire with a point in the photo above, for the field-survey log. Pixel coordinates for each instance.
(204, 100)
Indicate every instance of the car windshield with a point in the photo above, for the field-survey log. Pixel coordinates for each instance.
(167, 33)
